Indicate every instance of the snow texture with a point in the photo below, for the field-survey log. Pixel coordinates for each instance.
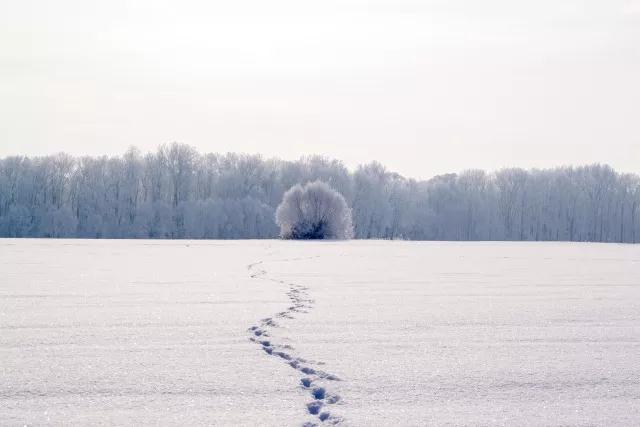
(275, 333)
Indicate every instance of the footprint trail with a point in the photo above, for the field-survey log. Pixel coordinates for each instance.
(313, 379)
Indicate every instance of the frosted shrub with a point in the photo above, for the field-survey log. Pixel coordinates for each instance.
(314, 211)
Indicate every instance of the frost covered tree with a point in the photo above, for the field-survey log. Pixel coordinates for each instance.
(177, 192)
(314, 211)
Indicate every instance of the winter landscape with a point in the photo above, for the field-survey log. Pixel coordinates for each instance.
(385, 333)
(314, 329)
(358, 213)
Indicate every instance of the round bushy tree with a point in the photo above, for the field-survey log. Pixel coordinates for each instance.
(314, 211)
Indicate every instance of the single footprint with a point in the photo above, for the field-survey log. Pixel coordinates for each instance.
(318, 393)
(314, 407)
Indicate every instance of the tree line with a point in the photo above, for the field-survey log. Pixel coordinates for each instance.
(176, 192)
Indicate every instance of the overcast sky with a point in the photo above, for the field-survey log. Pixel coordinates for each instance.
(425, 87)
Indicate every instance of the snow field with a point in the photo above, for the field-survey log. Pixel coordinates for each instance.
(318, 333)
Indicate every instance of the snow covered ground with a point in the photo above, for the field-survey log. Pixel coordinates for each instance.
(386, 333)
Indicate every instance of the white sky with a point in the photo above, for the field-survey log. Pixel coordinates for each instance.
(425, 87)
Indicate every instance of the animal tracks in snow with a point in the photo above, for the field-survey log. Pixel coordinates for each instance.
(313, 380)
